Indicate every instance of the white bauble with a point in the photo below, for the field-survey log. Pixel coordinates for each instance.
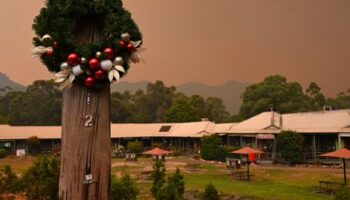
(77, 70)
(106, 65)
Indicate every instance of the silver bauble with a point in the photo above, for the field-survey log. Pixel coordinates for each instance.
(64, 66)
(98, 54)
(118, 61)
(126, 37)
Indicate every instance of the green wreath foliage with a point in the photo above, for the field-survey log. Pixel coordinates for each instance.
(60, 19)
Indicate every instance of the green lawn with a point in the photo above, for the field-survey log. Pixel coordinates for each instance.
(275, 183)
(269, 189)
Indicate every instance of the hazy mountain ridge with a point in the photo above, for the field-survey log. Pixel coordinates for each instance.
(229, 92)
(7, 83)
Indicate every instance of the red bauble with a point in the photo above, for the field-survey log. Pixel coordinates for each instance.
(94, 64)
(73, 59)
(109, 53)
(49, 53)
(99, 74)
(122, 44)
(89, 82)
(130, 47)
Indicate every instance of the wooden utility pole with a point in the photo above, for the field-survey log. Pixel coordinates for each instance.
(86, 146)
(86, 142)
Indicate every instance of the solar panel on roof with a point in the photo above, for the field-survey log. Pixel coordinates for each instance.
(165, 129)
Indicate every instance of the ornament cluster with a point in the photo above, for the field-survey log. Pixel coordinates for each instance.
(105, 66)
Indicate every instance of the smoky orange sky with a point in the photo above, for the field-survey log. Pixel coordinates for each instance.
(212, 41)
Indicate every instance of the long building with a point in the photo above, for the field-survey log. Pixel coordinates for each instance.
(324, 131)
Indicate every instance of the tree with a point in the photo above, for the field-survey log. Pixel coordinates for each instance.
(215, 110)
(273, 93)
(3, 120)
(198, 104)
(316, 98)
(160, 98)
(40, 104)
(9, 182)
(6, 101)
(158, 177)
(181, 111)
(124, 189)
(120, 107)
(40, 181)
(341, 101)
(290, 146)
(210, 193)
(135, 147)
(33, 145)
(212, 149)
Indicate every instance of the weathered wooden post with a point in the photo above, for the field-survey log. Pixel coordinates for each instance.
(86, 145)
(86, 138)
(96, 50)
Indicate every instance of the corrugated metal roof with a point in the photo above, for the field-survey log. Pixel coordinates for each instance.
(267, 122)
(314, 122)
(23, 132)
(222, 128)
(309, 122)
(192, 129)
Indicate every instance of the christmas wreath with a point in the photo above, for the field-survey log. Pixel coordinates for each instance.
(95, 63)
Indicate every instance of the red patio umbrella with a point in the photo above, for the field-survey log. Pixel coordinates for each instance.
(342, 153)
(247, 151)
(156, 151)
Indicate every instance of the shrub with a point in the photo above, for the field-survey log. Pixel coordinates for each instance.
(9, 182)
(177, 180)
(212, 149)
(158, 177)
(33, 145)
(123, 189)
(40, 181)
(135, 147)
(342, 194)
(3, 153)
(169, 192)
(290, 146)
(210, 193)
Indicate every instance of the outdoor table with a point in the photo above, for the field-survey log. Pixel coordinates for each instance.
(146, 175)
(193, 167)
(240, 175)
(328, 186)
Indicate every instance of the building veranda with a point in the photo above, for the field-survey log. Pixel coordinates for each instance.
(324, 131)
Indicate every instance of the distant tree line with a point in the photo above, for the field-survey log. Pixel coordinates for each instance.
(41, 103)
(274, 92)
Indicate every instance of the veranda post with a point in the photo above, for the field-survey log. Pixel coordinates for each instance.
(96, 50)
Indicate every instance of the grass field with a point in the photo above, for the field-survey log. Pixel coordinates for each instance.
(278, 183)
